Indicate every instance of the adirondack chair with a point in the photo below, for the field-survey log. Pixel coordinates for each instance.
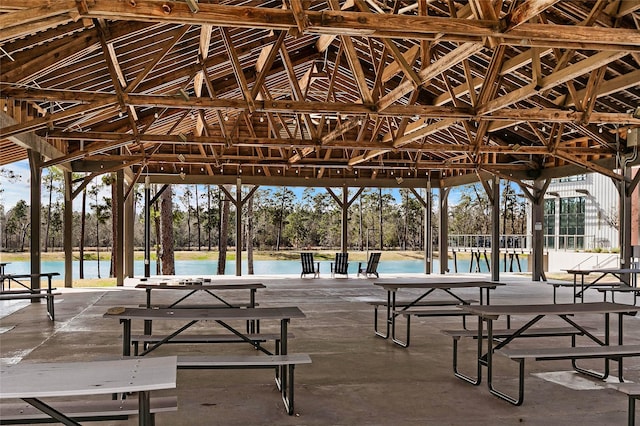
(309, 266)
(341, 264)
(371, 267)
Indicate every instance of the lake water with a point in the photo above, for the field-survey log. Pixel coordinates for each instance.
(261, 267)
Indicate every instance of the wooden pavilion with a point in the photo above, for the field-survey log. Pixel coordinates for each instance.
(418, 94)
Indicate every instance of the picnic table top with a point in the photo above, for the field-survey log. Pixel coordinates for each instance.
(41, 274)
(198, 286)
(52, 379)
(494, 311)
(197, 314)
(394, 285)
(604, 271)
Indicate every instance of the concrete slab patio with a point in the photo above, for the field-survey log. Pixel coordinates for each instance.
(356, 378)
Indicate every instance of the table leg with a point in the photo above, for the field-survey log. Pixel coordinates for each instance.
(253, 326)
(126, 337)
(144, 409)
(147, 323)
(281, 371)
(512, 400)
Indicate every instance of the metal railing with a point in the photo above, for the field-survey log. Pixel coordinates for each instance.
(507, 241)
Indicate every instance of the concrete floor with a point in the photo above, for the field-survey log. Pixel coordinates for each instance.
(356, 378)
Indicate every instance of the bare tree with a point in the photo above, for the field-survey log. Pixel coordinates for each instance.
(249, 235)
(197, 214)
(166, 231)
(224, 234)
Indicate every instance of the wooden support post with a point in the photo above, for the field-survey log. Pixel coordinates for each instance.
(238, 205)
(495, 229)
(68, 230)
(36, 191)
(444, 230)
(119, 243)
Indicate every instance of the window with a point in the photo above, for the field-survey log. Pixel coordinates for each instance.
(549, 223)
(572, 221)
(574, 178)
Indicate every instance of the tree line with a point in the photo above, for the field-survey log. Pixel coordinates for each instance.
(202, 217)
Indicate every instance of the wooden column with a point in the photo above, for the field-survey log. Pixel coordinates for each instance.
(36, 192)
(147, 227)
(537, 225)
(345, 219)
(428, 248)
(495, 229)
(129, 220)
(444, 230)
(238, 204)
(119, 244)
(626, 188)
(68, 230)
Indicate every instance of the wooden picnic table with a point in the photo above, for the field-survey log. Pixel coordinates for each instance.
(427, 288)
(534, 313)
(33, 381)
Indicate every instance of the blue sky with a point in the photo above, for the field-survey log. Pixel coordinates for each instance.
(15, 191)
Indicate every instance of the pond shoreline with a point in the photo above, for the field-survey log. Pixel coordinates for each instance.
(321, 254)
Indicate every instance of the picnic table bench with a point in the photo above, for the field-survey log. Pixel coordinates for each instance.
(85, 411)
(195, 286)
(25, 292)
(32, 382)
(623, 288)
(409, 305)
(503, 334)
(625, 276)
(396, 309)
(602, 348)
(280, 360)
(146, 339)
(632, 390)
(580, 293)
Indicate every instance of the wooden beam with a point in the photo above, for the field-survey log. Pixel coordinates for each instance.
(525, 11)
(347, 23)
(427, 73)
(237, 69)
(354, 62)
(40, 12)
(570, 72)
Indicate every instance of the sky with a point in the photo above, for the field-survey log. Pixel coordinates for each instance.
(12, 192)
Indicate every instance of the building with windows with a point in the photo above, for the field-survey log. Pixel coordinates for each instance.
(581, 214)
